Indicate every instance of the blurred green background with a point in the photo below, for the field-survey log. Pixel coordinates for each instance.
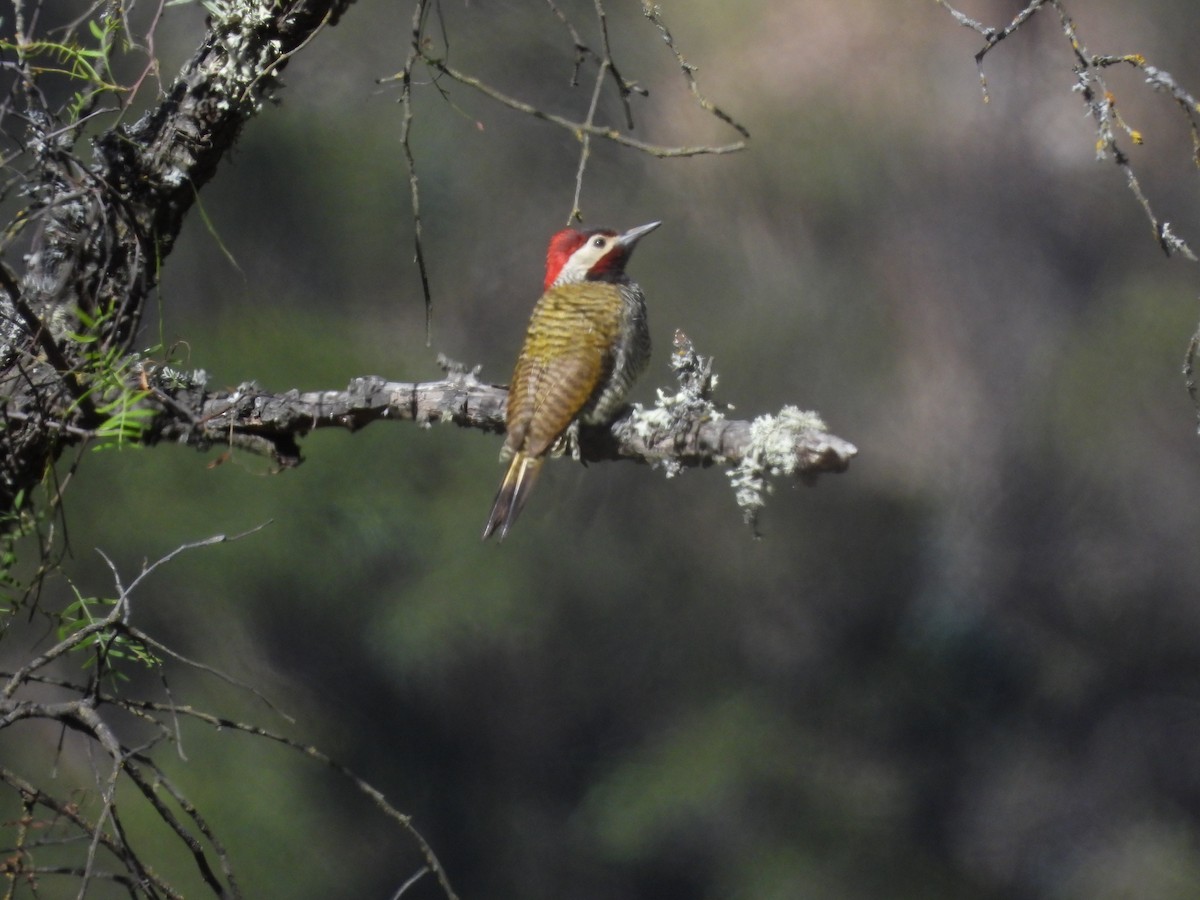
(968, 667)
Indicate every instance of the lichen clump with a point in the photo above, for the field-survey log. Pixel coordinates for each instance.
(772, 452)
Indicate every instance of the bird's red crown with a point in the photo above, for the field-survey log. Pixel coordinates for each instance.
(593, 254)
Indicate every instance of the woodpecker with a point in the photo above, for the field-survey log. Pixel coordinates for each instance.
(586, 344)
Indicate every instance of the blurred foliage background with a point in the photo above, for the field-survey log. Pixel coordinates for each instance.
(970, 666)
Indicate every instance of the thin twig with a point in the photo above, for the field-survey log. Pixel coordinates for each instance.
(992, 36)
(108, 794)
(373, 793)
(70, 812)
(1101, 102)
(578, 128)
(114, 616)
(652, 12)
(1189, 368)
(406, 102)
(1102, 106)
(582, 51)
(417, 876)
(624, 88)
(585, 141)
(271, 69)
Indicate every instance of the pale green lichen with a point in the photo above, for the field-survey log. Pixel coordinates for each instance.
(251, 13)
(667, 414)
(692, 403)
(646, 423)
(248, 69)
(771, 453)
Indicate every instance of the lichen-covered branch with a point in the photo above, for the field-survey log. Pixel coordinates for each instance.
(97, 228)
(682, 430)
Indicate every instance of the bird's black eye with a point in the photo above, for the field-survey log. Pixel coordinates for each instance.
(598, 242)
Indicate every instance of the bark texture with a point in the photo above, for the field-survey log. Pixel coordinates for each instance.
(97, 231)
(270, 423)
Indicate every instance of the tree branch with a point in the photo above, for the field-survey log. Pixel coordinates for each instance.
(98, 230)
(91, 712)
(581, 128)
(684, 430)
(1102, 107)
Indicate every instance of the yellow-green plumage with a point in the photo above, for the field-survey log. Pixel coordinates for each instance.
(586, 344)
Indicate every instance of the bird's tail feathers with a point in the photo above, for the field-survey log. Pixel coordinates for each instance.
(514, 491)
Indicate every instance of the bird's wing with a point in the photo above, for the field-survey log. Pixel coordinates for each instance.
(554, 391)
(567, 357)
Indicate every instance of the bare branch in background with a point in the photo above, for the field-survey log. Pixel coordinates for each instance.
(661, 151)
(93, 712)
(1102, 107)
(414, 193)
(654, 14)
